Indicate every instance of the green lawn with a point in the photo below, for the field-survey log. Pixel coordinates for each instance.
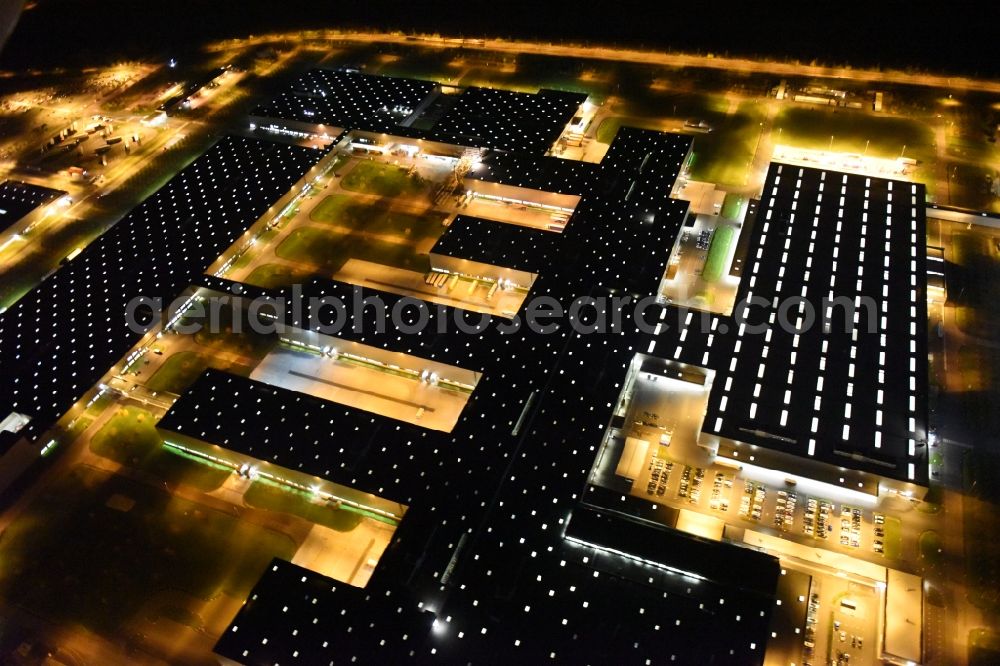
(731, 206)
(130, 437)
(264, 494)
(70, 557)
(812, 128)
(974, 291)
(346, 211)
(981, 485)
(969, 318)
(893, 541)
(718, 251)
(181, 615)
(930, 543)
(341, 208)
(177, 372)
(965, 144)
(723, 156)
(328, 250)
(384, 180)
(273, 276)
(657, 113)
(970, 361)
(425, 63)
(529, 74)
(224, 337)
(978, 370)
(245, 259)
(969, 186)
(975, 287)
(494, 78)
(638, 99)
(338, 162)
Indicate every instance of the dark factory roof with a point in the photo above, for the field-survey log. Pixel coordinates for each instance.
(537, 172)
(498, 244)
(852, 391)
(507, 120)
(63, 336)
(18, 199)
(499, 556)
(479, 117)
(348, 99)
(494, 568)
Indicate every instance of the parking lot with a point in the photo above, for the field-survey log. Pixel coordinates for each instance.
(843, 621)
(842, 540)
(680, 473)
(719, 491)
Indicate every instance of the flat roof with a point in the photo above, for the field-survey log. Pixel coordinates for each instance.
(479, 117)
(482, 547)
(297, 431)
(348, 99)
(537, 172)
(416, 390)
(851, 394)
(904, 615)
(291, 605)
(715, 561)
(815, 555)
(18, 199)
(57, 339)
(498, 244)
(626, 231)
(517, 458)
(508, 120)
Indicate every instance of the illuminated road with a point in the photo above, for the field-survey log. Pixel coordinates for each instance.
(735, 65)
(26, 261)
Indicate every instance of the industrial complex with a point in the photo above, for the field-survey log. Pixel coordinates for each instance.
(502, 361)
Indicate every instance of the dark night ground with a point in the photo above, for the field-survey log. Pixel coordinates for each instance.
(941, 36)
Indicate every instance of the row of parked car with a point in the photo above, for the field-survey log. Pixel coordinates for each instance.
(704, 239)
(784, 515)
(691, 488)
(659, 476)
(878, 545)
(719, 503)
(850, 527)
(816, 522)
(752, 502)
